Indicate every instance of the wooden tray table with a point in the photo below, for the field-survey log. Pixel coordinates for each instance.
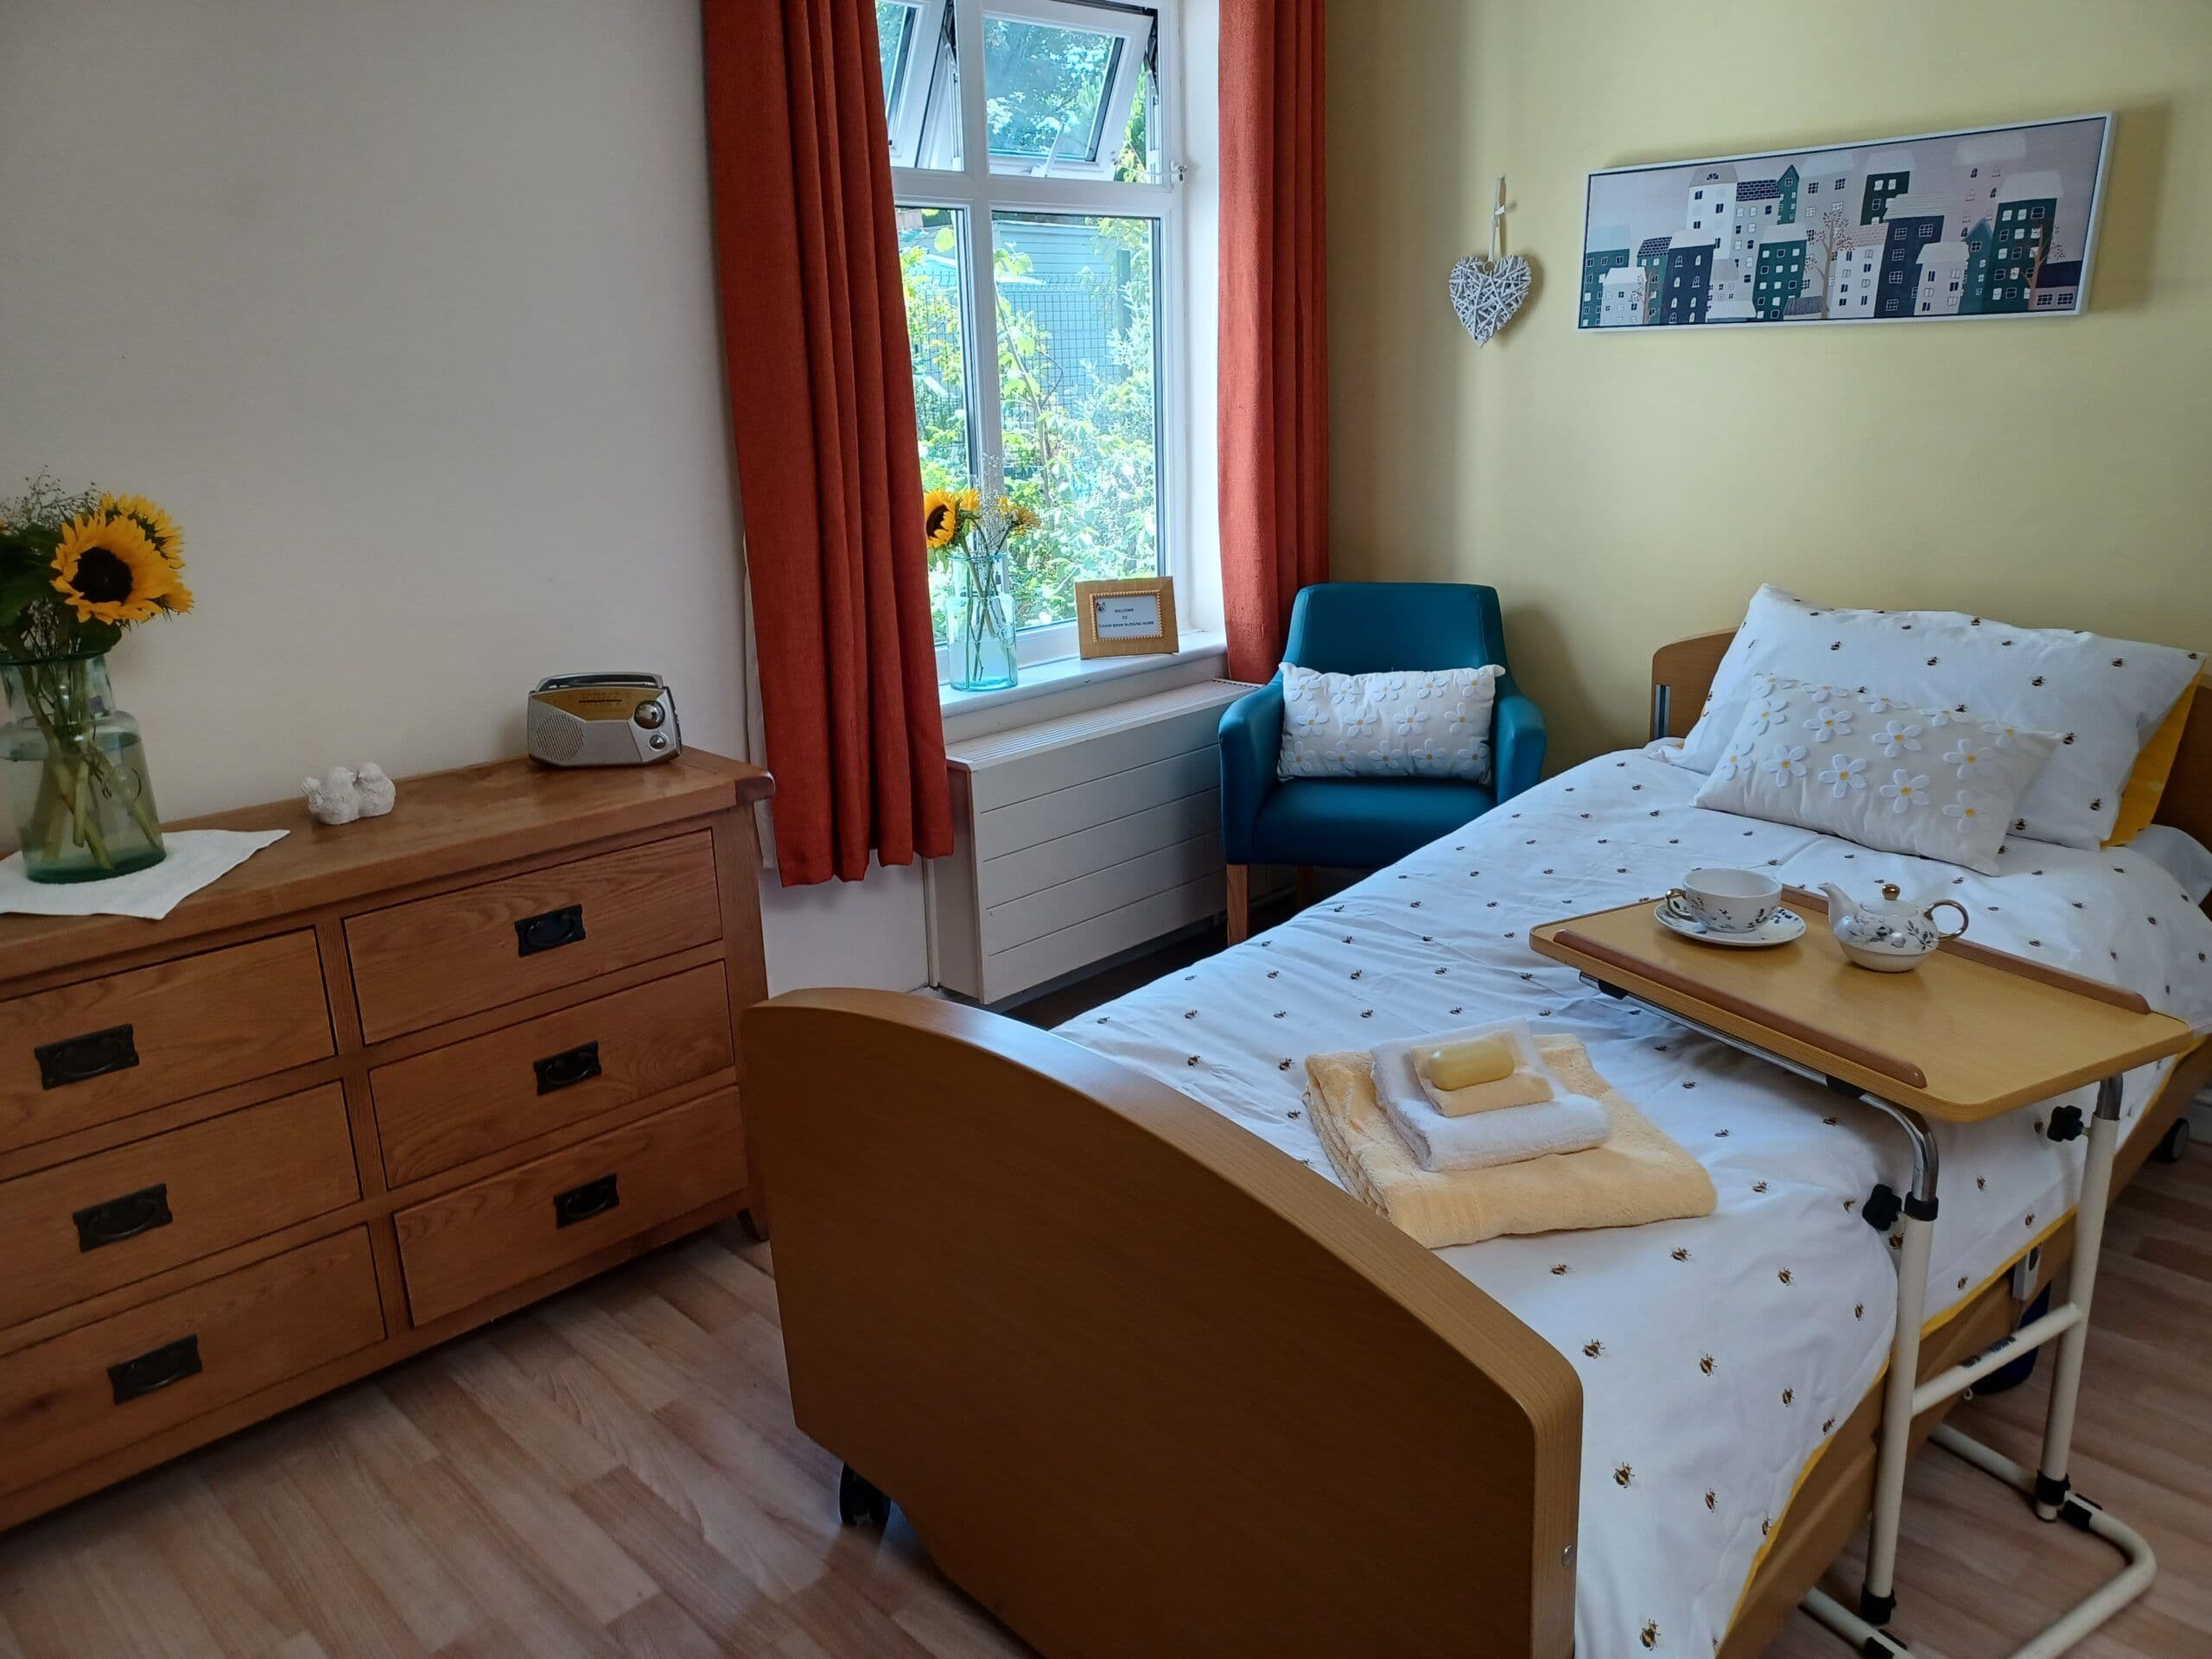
(1970, 1034)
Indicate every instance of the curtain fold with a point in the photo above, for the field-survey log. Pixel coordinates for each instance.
(822, 412)
(1273, 364)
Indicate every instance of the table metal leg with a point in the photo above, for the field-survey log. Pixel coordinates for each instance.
(2051, 1486)
(1877, 1594)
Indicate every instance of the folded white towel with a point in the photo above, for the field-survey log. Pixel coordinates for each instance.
(1565, 1122)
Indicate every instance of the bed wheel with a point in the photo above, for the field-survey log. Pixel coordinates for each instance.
(2169, 1150)
(858, 1501)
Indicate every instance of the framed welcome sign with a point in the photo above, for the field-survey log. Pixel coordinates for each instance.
(1988, 222)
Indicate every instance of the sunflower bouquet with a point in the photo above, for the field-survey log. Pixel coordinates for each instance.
(974, 543)
(76, 570)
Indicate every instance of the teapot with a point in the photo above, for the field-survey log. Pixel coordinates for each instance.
(1891, 934)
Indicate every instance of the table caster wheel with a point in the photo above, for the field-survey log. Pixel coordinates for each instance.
(2169, 1150)
(859, 1501)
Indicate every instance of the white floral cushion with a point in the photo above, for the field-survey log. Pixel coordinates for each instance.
(2104, 697)
(1407, 723)
(1938, 783)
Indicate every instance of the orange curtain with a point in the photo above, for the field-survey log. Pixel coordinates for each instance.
(1274, 344)
(822, 408)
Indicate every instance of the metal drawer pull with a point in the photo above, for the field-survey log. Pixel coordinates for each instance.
(549, 931)
(567, 1069)
(80, 1059)
(125, 1218)
(155, 1370)
(583, 1203)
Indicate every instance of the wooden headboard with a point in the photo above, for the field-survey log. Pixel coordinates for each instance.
(1682, 671)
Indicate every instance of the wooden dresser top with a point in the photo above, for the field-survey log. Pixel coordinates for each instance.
(446, 823)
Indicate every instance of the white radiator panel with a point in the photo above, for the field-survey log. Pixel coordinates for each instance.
(1064, 812)
(1079, 838)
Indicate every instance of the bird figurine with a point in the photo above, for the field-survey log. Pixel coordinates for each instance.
(377, 791)
(334, 798)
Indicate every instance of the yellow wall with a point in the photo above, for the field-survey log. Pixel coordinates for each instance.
(1622, 490)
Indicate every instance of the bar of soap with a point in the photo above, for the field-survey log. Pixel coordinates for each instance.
(1476, 1060)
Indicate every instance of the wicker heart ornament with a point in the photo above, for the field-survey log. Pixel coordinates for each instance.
(1486, 293)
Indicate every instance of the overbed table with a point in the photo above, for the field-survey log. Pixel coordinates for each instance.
(1970, 1034)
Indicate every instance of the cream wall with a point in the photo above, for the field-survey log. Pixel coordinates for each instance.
(405, 310)
(1623, 490)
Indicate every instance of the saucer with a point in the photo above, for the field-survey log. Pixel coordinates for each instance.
(1778, 929)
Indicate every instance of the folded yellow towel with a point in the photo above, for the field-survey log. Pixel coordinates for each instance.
(1638, 1175)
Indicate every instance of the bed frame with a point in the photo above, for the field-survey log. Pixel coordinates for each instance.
(1142, 1384)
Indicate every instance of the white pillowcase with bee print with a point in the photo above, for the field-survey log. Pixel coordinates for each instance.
(1414, 723)
(1938, 783)
(2105, 697)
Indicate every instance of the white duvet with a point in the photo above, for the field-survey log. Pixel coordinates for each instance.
(1716, 1356)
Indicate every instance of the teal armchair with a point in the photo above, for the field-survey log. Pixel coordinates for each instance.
(1360, 627)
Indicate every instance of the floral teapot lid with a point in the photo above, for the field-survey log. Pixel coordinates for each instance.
(1891, 925)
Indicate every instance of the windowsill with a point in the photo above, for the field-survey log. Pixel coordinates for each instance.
(1072, 673)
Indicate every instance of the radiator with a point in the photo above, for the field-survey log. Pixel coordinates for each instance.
(1077, 839)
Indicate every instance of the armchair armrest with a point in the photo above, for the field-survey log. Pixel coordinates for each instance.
(1517, 741)
(1251, 738)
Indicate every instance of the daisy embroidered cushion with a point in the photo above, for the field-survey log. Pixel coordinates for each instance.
(2106, 697)
(1406, 723)
(1938, 783)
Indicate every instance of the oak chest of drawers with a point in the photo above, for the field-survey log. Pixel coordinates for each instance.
(380, 1083)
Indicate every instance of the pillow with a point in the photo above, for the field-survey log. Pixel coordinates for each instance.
(1887, 776)
(2105, 696)
(1408, 723)
(2146, 784)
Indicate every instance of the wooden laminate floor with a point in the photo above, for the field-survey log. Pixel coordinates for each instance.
(615, 1472)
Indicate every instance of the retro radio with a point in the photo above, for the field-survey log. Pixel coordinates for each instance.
(602, 720)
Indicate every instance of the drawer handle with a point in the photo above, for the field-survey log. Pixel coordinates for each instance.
(567, 1069)
(549, 931)
(134, 1213)
(583, 1203)
(155, 1370)
(80, 1059)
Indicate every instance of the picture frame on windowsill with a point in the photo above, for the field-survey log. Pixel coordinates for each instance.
(1133, 616)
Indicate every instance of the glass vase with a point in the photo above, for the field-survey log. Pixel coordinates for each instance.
(981, 625)
(77, 781)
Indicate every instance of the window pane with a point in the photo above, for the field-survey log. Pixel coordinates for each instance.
(1080, 417)
(1045, 90)
(1062, 99)
(921, 81)
(895, 24)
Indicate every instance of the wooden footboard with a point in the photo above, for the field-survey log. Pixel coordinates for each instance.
(1141, 1383)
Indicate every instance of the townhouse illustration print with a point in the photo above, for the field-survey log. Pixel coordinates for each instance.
(1994, 222)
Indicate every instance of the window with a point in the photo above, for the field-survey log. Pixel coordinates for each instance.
(1037, 232)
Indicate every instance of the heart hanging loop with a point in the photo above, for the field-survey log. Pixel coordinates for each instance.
(1497, 224)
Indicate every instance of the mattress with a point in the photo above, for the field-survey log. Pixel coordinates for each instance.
(1717, 1356)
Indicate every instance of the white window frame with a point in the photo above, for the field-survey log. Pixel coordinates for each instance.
(977, 192)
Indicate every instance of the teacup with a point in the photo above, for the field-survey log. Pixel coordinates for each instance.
(1725, 900)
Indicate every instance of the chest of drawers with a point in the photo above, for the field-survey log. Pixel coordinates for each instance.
(382, 1083)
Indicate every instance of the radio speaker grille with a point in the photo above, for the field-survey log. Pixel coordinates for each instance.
(554, 735)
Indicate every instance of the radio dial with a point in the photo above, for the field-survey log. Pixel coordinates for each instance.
(650, 715)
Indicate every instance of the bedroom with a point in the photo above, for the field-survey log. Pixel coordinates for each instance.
(425, 322)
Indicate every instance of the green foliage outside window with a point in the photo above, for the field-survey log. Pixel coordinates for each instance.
(1078, 438)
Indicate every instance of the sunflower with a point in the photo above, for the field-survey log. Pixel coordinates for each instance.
(971, 501)
(1019, 520)
(941, 517)
(109, 570)
(160, 527)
